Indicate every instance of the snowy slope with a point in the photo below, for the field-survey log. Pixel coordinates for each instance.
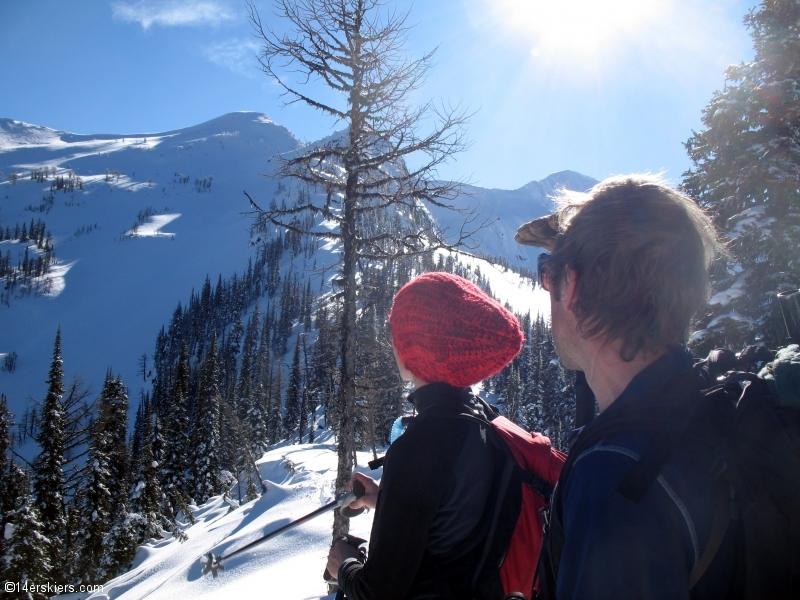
(287, 567)
(117, 291)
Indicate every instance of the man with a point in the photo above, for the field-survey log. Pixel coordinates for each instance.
(626, 273)
(429, 523)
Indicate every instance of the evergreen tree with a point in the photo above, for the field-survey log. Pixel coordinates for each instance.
(205, 467)
(158, 442)
(244, 390)
(13, 483)
(257, 419)
(292, 405)
(746, 168)
(48, 468)
(178, 443)
(113, 420)
(228, 358)
(7, 498)
(274, 425)
(138, 435)
(96, 501)
(119, 546)
(29, 552)
(145, 496)
(513, 396)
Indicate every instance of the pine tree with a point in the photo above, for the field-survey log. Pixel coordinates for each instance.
(291, 409)
(119, 546)
(138, 434)
(13, 484)
(373, 75)
(145, 495)
(104, 488)
(244, 390)
(274, 425)
(29, 552)
(158, 442)
(512, 396)
(228, 358)
(113, 420)
(205, 467)
(48, 468)
(96, 501)
(746, 168)
(178, 443)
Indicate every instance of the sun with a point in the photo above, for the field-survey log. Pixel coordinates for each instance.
(576, 28)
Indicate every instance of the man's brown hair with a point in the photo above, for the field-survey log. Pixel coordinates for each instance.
(640, 251)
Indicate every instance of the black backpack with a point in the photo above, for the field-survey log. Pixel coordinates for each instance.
(753, 422)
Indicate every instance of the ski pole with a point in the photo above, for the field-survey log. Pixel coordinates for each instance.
(213, 562)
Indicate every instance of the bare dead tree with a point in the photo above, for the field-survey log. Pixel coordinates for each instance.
(356, 49)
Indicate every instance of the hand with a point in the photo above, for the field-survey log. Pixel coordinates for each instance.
(370, 497)
(340, 551)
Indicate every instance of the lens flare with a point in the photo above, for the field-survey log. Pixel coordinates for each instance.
(576, 27)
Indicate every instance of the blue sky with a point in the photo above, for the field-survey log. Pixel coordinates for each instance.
(598, 87)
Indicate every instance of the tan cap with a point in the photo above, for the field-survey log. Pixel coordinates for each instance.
(540, 232)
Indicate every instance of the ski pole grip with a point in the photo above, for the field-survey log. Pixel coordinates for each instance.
(344, 504)
(358, 489)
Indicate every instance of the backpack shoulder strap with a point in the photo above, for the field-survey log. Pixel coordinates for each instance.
(682, 392)
(530, 478)
(719, 528)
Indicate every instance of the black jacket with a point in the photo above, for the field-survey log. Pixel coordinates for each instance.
(436, 480)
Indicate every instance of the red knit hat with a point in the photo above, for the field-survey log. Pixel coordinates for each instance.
(446, 329)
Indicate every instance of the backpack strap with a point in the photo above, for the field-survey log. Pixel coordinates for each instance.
(795, 539)
(719, 528)
(529, 478)
(505, 478)
(646, 470)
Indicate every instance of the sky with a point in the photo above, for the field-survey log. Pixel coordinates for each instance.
(601, 88)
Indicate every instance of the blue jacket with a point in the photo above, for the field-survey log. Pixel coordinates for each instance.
(619, 550)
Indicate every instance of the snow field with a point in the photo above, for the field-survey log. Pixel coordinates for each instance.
(288, 567)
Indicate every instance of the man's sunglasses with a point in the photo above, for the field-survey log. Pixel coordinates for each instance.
(541, 271)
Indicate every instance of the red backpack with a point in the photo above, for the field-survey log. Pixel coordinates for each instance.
(530, 469)
(527, 470)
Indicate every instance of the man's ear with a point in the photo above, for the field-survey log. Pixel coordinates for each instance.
(569, 290)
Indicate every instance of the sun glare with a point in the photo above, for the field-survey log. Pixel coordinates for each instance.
(579, 28)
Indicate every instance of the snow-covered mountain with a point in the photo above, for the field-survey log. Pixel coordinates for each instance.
(138, 222)
(506, 210)
(113, 291)
(135, 223)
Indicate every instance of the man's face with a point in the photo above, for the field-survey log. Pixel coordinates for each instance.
(563, 323)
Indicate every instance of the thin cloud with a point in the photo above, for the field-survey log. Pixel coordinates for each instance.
(235, 54)
(172, 13)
